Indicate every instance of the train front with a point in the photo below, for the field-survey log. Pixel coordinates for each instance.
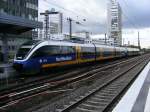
(22, 62)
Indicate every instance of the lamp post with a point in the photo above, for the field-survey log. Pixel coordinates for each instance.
(70, 25)
(47, 23)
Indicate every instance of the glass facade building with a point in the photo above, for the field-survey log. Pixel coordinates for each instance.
(27, 9)
(114, 27)
(18, 21)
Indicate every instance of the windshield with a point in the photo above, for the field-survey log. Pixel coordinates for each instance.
(22, 52)
(25, 49)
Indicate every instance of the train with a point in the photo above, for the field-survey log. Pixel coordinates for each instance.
(37, 55)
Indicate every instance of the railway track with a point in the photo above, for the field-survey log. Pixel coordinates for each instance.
(47, 79)
(21, 82)
(8, 99)
(102, 98)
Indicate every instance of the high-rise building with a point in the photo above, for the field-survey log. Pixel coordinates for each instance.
(56, 23)
(18, 18)
(54, 28)
(27, 9)
(114, 27)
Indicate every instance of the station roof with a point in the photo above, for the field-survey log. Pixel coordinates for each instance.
(16, 25)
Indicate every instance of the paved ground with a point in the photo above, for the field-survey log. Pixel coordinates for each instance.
(137, 98)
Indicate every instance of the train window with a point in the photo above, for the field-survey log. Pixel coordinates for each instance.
(88, 49)
(98, 51)
(53, 51)
(47, 51)
(67, 49)
(108, 52)
(88, 52)
(38, 53)
(118, 51)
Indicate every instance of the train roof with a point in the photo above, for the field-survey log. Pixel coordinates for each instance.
(68, 43)
(32, 42)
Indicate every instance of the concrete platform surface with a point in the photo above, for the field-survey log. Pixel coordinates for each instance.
(137, 98)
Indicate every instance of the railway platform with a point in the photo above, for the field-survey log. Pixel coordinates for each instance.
(137, 98)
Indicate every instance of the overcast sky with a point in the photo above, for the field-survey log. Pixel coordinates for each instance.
(136, 16)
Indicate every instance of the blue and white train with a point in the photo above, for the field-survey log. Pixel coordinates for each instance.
(36, 55)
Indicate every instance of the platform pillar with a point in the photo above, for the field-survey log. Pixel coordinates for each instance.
(5, 48)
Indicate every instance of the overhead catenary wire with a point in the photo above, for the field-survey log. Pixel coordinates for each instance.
(64, 17)
(65, 9)
(134, 17)
(55, 21)
(78, 15)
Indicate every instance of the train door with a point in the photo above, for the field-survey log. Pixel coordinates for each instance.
(114, 52)
(78, 54)
(95, 53)
(99, 53)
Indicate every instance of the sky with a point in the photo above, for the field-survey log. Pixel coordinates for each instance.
(135, 17)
